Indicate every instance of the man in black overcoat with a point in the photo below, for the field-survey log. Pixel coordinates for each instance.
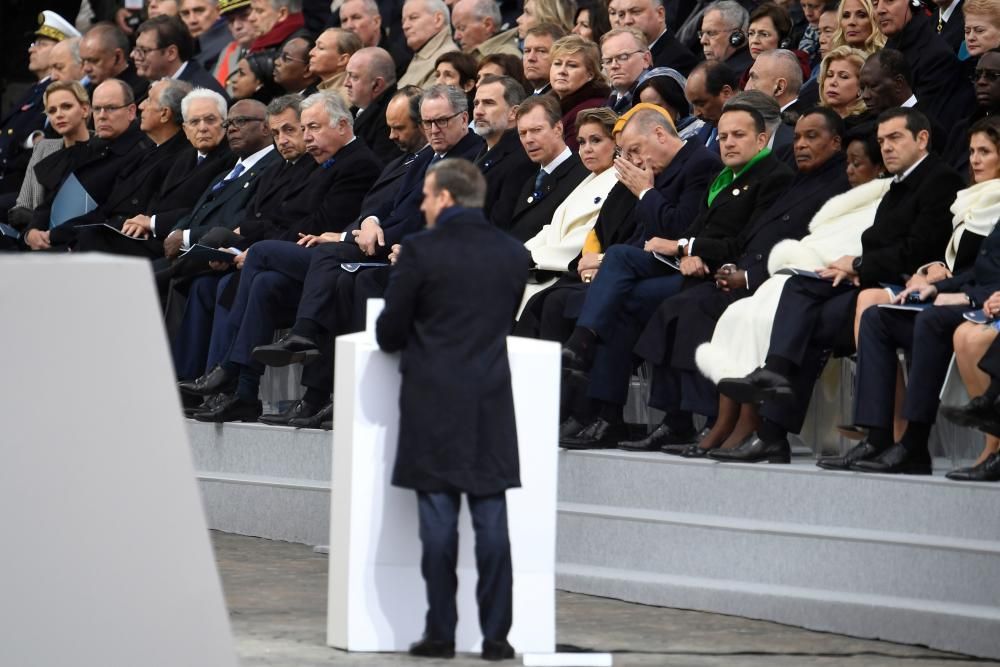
(816, 316)
(457, 432)
(687, 320)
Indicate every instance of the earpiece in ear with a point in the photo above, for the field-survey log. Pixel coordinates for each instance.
(737, 39)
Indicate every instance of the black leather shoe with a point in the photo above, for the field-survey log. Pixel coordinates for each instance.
(695, 452)
(987, 471)
(433, 648)
(494, 650)
(216, 381)
(231, 409)
(662, 436)
(863, 451)
(209, 403)
(570, 427)
(291, 349)
(299, 409)
(327, 425)
(897, 460)
(755, 450)
(980, 413)
(599, 434)
(314, 420)
(757, 387)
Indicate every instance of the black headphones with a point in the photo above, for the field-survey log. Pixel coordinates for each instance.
(737, 39)
(785, 43)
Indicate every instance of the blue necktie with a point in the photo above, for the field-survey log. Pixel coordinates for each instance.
(231, 176)
(539, 181)
(713, 139)
(201, 158)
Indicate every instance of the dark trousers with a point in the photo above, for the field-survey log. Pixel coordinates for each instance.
(439, 536)
(813, 318)
(320, 292)
(629, 287)
(191, 344)
(926, 338)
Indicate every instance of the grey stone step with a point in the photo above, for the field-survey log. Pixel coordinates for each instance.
(798, 493)
(775, 553)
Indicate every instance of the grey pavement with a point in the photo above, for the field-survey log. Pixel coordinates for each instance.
(276, 594)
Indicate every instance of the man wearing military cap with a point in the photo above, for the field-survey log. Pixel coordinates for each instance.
(237, 15)
(24, 123)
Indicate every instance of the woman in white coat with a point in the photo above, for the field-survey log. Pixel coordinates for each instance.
(743, 333)
(560, 241)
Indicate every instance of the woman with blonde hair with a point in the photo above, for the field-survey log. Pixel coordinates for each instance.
(577, 81)
(982, 26)
(839, 82)
(536, 12)
(858, 27)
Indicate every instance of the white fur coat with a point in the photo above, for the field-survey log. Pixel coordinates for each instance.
(743, 333)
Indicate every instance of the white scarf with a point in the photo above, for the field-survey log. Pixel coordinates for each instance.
(977, 209)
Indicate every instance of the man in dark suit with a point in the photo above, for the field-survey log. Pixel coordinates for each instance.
(557, 169)
(289, 274)
(926, 337)
(650, 18)
(120, 143)
(938, 79)
(165, 49)
(502, 160)
(777, 73)
(708, 88)
(160, 119)
(104, 52)
(457, 433)
(537, 59)
(723, 35)
(291, 66)
(624, 56)
(631, 283)
(949, 22)
(370, 84)
(209, 29)
(685, 321)
(814, 316)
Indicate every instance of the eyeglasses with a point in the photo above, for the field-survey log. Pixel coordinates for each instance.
(762, 34)
(285, 58)
(439, 123)
(991, 75)
(621, 58)
(239, 122)
(143, 51)
(711, 34)
(107, 108)
(209, 121)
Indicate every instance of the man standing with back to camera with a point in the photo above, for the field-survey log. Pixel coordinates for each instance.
(457, 432)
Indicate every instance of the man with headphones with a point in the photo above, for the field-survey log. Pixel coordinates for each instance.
(723, 35)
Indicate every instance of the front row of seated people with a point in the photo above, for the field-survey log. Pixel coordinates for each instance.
(645, 246)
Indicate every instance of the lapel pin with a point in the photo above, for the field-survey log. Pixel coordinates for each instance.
(531, 199)
(736, 192)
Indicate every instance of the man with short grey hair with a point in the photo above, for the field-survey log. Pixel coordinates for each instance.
(723, 35)
(477, 29)
(64, 61)
(624, 57)
(427, 29)
(650, 18)
(208, 27)
(778, 73)
(274, 21)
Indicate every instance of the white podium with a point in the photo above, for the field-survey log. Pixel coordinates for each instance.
(106, 557)
(376, 596)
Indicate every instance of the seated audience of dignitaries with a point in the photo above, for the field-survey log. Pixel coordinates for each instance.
(154, 160)
(305, 278)
(911, 228)
(632, 282)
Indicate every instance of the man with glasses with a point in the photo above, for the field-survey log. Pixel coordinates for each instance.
(104, 52)
(291, 67)
(370, 84)
(986, 83)
(650, 18)
(119, 144)
(624, 57)
(723, 35)
(165, 49)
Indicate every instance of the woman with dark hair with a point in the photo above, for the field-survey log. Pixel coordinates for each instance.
(254, 78)
(458, 69)
(503, 64)
(591, 20)
(577, 81)
(771, 28)
(664, 87)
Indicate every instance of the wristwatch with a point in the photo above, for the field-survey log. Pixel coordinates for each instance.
(681, 245)
(856, 264)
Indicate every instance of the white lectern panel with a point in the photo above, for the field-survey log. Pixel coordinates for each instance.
(376, 597)
(107, 559)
